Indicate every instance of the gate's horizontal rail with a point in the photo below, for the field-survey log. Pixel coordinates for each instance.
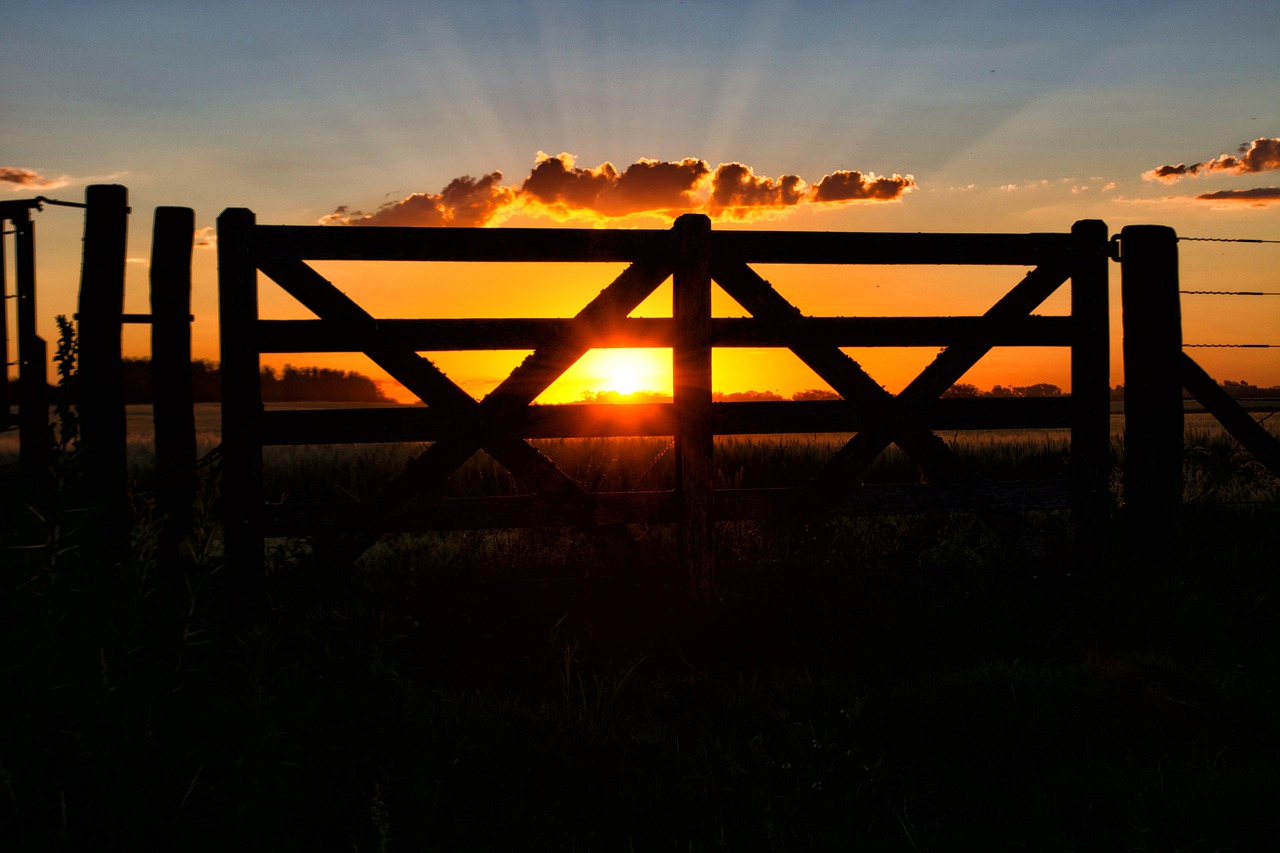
(410, 424)
(529, 333)
(663, 507)
(321, 243)
(862, 247)
(487, 245)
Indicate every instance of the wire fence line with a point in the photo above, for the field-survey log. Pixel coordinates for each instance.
(1228, 292)
(1224, 240)
(1232, 292)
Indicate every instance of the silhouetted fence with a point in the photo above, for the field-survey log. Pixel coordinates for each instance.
(32, 350)
(99, 391)
(503, 423)
(1156, 372)
(694, 257)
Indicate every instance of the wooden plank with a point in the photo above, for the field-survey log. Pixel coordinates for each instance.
(489, 245)
(979, 496)
(1091, 454)
(516, 392)
(1152, 344)
(422, 378)
(519, 333)
(837, 369)
(662, 507)
(101, 371)
(241, 412)
(173, 411)
(33, 386)
(1255, 438)
(312, 242)
(589, 420)
(6, 420)
(922, 393)
(691, 378)
(809, 247)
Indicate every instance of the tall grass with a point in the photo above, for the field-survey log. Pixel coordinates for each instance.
(895, 683)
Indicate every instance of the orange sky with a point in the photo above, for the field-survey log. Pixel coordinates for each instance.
(1004, 116)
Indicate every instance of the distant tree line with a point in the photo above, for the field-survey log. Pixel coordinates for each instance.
(322, 384)
(291, 385)
(1240, 390)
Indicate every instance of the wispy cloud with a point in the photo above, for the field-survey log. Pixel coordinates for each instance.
(1261, 155)
(18, 179)
(1259, 197)
(736, 189)
(559, 188)
(855, 186)
(464, 201)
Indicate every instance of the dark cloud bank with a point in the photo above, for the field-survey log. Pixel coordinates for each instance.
(558, 187)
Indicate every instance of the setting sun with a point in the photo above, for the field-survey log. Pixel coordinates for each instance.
(627, 371)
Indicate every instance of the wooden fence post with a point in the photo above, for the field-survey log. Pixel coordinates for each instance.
(1153, 432)
(174, 415)
(241, 412)
(691, 357)
(33, 387)
(101, 374)
(6, 420)
(1090, 387)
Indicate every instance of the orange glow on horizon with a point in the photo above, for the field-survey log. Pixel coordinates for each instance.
(407, 290)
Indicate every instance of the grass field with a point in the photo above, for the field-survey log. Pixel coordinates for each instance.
(888, 683)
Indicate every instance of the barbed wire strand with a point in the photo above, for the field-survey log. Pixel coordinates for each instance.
(1224, 240)
(1231, 346)
(1232, 292)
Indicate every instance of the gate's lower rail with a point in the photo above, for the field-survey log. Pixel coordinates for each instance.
(663, 507)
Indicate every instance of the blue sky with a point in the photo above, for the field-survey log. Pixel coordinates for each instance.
(1007, 116)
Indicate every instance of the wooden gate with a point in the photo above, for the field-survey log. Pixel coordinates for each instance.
(694, 257)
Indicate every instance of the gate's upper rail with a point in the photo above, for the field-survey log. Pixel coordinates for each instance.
(578, 245)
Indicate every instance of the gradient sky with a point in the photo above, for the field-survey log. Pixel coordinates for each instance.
(997, 116)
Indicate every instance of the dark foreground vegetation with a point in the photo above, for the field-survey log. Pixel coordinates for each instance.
(882, 684)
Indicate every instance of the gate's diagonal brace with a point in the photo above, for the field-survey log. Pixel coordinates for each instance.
(530, 378)
(842, 373)
(418, 375)
(913, 402)
(482, 420)
(900, 418)
(1252, 435)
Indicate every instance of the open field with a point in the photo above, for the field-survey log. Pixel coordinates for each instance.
(895, 683)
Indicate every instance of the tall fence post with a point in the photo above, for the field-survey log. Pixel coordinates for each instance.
(241, 411)
(6, 420)
(33, 382)
(174, 413)
(101, 373)
(1090, 387)
(1153, 432)
(691, 359)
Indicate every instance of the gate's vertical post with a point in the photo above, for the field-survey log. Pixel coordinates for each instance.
(33, 393)
(173, 410)
(241, 411)
(1090, 387)
(1153, 432)
(101, 372)
(691, 354)
(5, 420)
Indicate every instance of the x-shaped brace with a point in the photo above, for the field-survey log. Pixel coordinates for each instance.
(894, 419)
(469, 425)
